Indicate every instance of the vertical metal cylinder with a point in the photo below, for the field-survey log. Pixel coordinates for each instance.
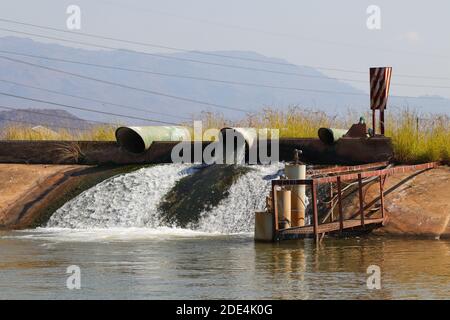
(298, 193)
(263, 226)
(284, 208)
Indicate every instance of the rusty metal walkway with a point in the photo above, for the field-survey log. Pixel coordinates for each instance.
(348, 226)
(361, 221)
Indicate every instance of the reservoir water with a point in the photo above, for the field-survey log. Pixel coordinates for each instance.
(114, 234)
(175, 264)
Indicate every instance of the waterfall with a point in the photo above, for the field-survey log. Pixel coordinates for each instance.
(235, 214)
(128, 200)
(131, 201)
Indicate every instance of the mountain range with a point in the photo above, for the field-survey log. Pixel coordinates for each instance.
(174, 87)
(50, 118)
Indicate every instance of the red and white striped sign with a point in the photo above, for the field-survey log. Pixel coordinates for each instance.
(380, 80)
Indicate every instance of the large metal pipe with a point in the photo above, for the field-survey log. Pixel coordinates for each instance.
(284, 208)
(331, 135)
(139, 139)
(263, 226)
(298, 193)
(242, 138)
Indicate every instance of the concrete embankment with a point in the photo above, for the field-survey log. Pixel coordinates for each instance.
(29, 194)
(417, 204)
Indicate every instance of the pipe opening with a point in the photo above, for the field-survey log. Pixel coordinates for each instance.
(326, 135)
(130, 140)
(331, 135)
(240, 147)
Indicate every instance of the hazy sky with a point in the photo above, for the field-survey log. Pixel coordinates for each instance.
(414, 35)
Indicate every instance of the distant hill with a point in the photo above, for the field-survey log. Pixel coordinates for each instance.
(246, 97)
(50, 118)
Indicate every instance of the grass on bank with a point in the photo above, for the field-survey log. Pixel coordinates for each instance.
(97, 133)
(415, 138)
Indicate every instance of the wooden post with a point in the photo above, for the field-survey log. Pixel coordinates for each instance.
(361, 199)
(315, 212)
(381, 197)
(382, 122)
(341, 215)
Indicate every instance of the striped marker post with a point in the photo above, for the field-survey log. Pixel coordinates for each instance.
(380, 80)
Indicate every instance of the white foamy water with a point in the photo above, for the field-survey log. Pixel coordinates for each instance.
(110, 234)
(129, 200)
(126, 206)
(235, 214)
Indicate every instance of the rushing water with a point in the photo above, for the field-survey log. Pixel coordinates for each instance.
(114, 234)
(132, 200)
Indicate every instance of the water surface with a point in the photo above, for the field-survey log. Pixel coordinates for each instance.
(167, 263)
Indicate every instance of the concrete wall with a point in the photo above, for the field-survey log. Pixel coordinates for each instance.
(346, 151)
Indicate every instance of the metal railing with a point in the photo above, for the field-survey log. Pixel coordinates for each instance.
(337, 176)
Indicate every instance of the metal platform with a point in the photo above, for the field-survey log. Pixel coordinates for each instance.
(363, 219)
(349, 226)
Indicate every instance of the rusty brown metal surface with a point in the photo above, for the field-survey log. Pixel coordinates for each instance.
(316, 229)
(375, 173)
(275, 210)
(341, 214)
(81, 152)
(330, 227)
(381, 182)
(361, 199)
(345, 169)
(347, 151)
(315, 212)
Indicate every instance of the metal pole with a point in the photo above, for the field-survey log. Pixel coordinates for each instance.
(374, 125)
(361, 200)
(382, 122)
(331, 205)
(275, 212)
(315, 213)
(341, 215)
(381, 197)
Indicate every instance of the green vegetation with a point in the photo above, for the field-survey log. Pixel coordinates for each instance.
(415, 139)
(418, 140)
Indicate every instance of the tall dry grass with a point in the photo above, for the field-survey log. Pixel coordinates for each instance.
(293, 123)
(97, 133)
(415, 138)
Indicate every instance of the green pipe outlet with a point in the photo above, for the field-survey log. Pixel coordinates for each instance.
(139, 139)
(331, 135)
